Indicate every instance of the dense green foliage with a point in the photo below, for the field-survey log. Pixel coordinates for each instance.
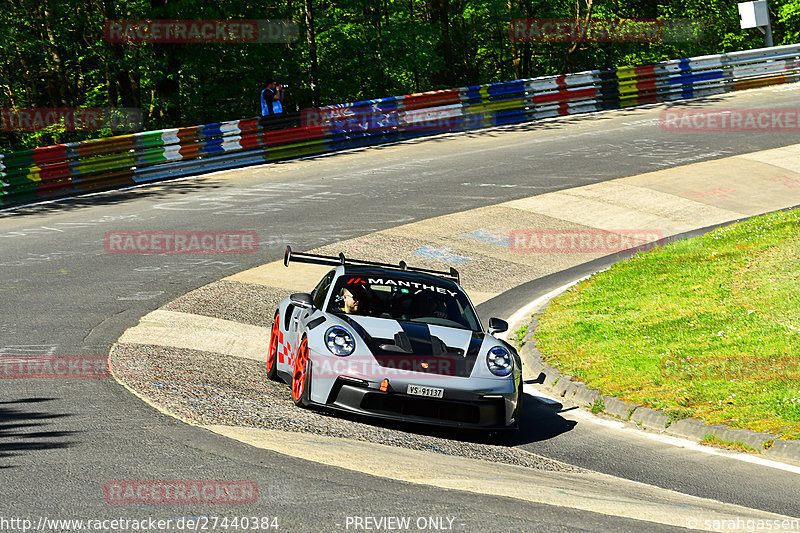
(53, 52)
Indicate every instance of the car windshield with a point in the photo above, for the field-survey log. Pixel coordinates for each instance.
(405, 299)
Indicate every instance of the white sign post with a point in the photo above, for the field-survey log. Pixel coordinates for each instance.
(756, 15)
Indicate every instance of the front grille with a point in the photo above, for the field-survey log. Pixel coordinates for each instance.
(422, 407)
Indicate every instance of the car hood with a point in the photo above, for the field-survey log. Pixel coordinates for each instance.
(401, 344)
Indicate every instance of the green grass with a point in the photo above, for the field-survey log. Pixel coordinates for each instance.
(713, 440)
(519, 335)
(675, 414)
(706, 328)
(598, 406)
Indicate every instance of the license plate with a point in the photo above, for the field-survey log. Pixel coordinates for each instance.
(430, 392)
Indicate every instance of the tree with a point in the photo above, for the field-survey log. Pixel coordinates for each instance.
(54, 54)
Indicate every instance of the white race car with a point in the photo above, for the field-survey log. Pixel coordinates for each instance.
(394, 342)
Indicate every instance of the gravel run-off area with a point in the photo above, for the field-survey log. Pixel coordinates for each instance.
(208, 388)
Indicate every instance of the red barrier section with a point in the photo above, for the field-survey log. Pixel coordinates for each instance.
(646, 84)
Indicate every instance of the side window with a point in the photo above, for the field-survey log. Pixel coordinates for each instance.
(321, 290)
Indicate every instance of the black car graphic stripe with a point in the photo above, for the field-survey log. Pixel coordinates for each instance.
(474, 345)
(420, 337)
(360, 331)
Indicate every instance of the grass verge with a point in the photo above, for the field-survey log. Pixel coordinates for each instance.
(738, 445)
(706, 328)
(598, 406)
(519, 336)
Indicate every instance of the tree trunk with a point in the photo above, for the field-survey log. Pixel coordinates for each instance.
(585, 22)
(119, 82)
(31, 90)
(440, 14)
(311, 39)
(527, 60)
(6, 83)
(167, 111)
(59, 77)
(376, 12)
(414, 67)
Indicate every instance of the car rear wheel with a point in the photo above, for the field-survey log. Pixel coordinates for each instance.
(272, 351)
(301, 378)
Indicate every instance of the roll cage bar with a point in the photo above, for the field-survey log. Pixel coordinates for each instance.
(330, 260)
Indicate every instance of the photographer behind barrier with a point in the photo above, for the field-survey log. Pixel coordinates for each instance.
(272, 98)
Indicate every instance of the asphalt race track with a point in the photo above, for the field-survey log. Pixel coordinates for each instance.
(62, 441)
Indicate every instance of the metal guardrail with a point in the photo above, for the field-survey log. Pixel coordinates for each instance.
(87, 166)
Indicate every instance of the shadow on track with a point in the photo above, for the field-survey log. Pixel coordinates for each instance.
(14, 421)
(541, 420)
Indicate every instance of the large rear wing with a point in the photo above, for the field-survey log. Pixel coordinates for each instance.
(330, 260)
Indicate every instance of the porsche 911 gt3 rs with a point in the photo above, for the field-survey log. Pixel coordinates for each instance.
(395, 342)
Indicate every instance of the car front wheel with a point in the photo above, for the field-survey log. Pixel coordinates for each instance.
(301, 378)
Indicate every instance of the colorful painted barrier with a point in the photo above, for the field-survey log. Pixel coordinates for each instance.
(75, 168)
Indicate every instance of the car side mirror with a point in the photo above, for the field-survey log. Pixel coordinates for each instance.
(497, 325)
(302, 299)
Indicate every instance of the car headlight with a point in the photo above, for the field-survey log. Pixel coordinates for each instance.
(499, 361)
(339, 341)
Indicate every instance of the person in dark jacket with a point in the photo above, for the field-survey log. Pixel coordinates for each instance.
(272, 98)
